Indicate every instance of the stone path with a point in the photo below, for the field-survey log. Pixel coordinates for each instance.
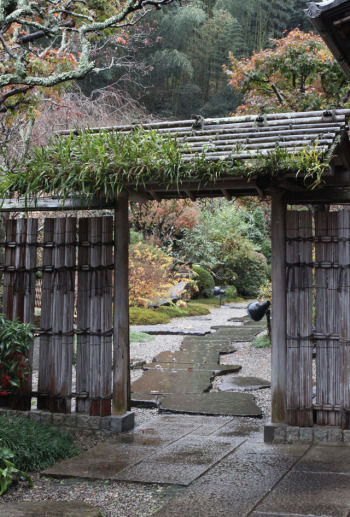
(220, 467)
(173, 449)
(181, 381)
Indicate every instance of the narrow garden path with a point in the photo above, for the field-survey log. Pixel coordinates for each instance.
(186, 379)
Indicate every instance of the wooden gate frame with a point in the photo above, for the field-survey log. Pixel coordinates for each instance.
(121, 344)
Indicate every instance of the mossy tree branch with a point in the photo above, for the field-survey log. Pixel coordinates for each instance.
(49, 24)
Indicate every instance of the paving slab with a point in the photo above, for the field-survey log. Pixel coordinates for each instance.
(332, 459)
(234, 486)
(308, 493)
(171, 381)
(112, 456)
(213, 403)
(100, 462)
(166, 331)
(190, 355)
(49, 509)
(240, 383)
(181, 462)
(218, 369)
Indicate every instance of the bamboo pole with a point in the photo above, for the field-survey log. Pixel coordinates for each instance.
(121, 347)
(279, 348)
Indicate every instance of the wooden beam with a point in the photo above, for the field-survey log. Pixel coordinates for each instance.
(54, 204)
(327, 195)
(279, 313)
(121, 346)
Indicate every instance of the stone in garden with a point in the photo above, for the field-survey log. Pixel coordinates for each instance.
(238, 383)
(155, 382)
(213, 403)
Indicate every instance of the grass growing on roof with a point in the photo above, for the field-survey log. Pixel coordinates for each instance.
(35, 446)
(105, 163)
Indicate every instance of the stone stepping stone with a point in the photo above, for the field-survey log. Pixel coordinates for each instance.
(238, 383)
(166, 331)
(49, 509)
(213, 403)
(217, 369)
(155, 382)
(191, 355)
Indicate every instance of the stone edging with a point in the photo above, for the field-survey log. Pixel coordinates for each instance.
(78, 422)
(281, 433)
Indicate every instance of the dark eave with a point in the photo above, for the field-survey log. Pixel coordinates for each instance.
(331, 18)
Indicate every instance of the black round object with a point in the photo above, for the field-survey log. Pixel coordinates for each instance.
(258, 310)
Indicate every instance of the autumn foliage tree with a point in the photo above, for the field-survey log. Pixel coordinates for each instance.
(162, 222)
(46, 43)
(151, 274)
(296, 73)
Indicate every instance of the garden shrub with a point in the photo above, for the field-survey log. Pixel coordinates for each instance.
(251, 271)
(205, 282)
(231, 292)
(35, 446)
(15, 340)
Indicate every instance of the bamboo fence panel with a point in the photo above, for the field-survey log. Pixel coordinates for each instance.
(299, 318)
(94, 311)
(19, 288)
(57, 314)
(344, 325)
(328, 385)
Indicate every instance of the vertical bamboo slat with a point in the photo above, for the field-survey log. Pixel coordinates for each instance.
(94, 357)
(83, 404)
(344, 325)
(327, 315)
(45, 353)
(299, 318)
(58, 300)
(19, 287)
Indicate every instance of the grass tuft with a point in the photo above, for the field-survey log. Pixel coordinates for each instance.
(140, 337)
(261, 342)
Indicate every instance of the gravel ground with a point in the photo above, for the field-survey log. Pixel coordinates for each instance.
(118, 499)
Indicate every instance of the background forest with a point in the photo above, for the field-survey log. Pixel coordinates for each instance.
(182, 49)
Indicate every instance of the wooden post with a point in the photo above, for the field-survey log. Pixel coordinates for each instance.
(279, 313)
(121, 347)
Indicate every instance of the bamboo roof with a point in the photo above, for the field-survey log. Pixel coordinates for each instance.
(332, 20)
(246, 137)
(237, 138)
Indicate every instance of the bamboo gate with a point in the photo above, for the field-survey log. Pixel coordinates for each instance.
(73, 261)
(318, 322)
(84, 269)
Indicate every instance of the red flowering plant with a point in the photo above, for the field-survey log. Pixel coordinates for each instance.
(15, 341)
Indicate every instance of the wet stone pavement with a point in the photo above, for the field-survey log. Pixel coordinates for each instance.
(181, 381)
(207, 466)
(220, 466)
